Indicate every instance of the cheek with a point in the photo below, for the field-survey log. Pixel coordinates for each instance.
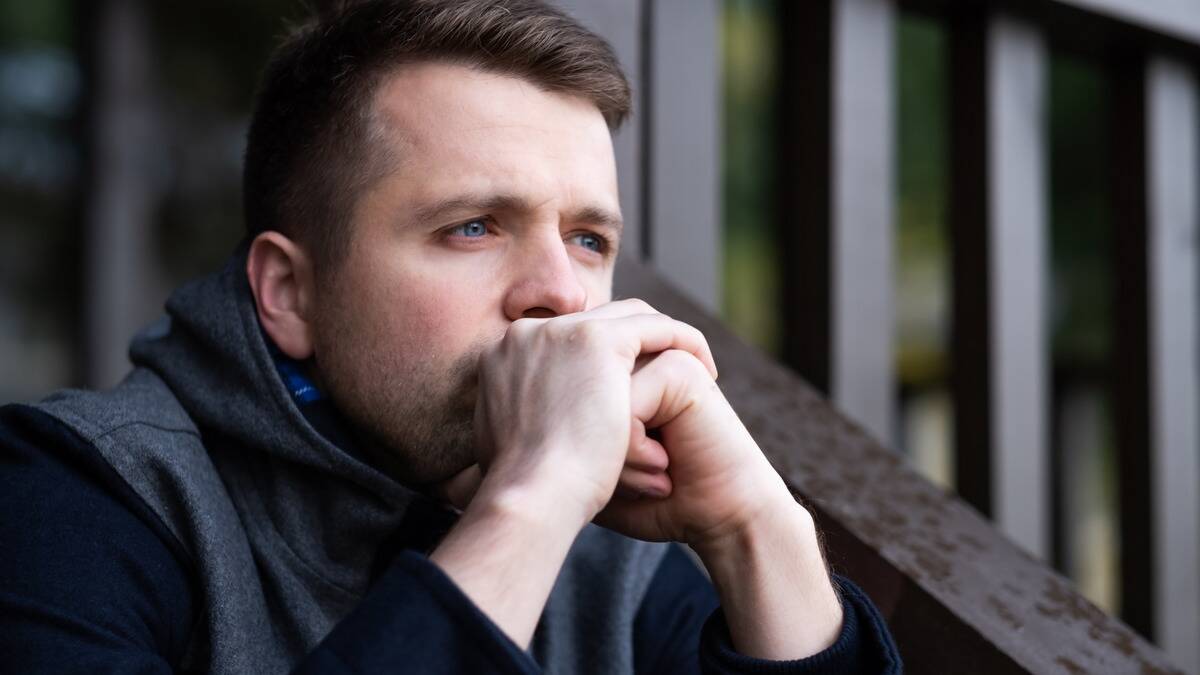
(599, 287)
(429, 319)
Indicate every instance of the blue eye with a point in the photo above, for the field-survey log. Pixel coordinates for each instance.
(591, 242)
(473, 229)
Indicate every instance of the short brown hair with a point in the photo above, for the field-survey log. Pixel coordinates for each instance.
(308, 154)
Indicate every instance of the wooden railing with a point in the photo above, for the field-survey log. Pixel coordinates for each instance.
(1000, 288)
(958, 595)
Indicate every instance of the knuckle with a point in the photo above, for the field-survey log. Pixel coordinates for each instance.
(676, 360)
(699, 372)
(701, 339)
(559, 330)
(585, 333)
(641, 305)
(520, 329)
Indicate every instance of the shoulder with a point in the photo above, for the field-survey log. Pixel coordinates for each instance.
(142, 433)
(86, 561)
(141, 400)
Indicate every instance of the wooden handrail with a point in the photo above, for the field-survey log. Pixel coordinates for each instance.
(959, 597)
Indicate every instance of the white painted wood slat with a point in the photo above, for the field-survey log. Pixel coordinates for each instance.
(1178, 19)
(861, 378)
(684, 182)
(1017, 203)
(1173, 168)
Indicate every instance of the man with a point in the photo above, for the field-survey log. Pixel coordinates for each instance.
(378, 439)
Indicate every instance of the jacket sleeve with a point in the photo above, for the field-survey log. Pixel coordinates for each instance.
(89, 582)
(416, 616)
(681, 629)
(863, 646)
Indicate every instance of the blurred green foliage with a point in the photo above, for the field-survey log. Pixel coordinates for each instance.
(45, 22)
(1081, 263)
(922, 264)
(751, 260)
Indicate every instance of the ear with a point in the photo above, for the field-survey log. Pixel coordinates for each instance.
(281, 278)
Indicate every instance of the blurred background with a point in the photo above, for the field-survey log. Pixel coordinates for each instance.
(122, 126)
(1079, 239)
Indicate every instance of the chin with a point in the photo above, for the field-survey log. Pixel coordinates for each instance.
(435, 460)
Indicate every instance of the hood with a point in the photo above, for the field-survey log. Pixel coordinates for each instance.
(324, 505)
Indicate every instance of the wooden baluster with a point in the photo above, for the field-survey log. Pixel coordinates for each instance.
(1173, 114)
(682, 186)
(998, 226)
(835, 208)
(1155, 178)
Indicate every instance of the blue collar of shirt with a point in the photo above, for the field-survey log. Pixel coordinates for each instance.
(317, 409)
(291, 371)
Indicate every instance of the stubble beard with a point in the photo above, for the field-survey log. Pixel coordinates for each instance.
(415, 419)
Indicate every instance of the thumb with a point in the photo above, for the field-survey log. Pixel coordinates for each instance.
(459, 489)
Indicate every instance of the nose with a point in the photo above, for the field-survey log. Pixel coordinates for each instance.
(545, 283)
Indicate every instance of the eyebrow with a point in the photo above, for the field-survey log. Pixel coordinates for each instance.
(595, 215)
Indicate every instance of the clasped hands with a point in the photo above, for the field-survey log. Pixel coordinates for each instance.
(561, 418)
(562, 414)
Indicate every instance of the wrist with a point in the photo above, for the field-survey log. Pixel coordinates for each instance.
(767, 509)
(776, 523)
(531, 505)
(505, 554)
(774, 587)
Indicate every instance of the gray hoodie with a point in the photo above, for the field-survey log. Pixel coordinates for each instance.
(283, 526)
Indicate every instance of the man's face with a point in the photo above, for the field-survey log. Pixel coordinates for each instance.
(502, 204)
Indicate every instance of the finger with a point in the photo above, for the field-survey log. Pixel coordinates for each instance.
(652, 333)
(647, 330)
(641, 517)
(645, 453)
(666, 386)
(619, 308)
(460, 488)
(642, 360)
(638, 484)
(609, 310)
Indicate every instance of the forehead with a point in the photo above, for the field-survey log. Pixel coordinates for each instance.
(451, 127)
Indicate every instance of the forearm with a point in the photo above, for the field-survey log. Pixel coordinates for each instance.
(505, 554)
(774, 588)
